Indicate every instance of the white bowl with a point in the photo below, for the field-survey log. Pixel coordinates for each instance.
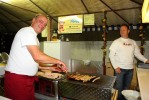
(46, 65)
(131, 94)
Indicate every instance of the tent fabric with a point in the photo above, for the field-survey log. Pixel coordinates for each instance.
(15, 14)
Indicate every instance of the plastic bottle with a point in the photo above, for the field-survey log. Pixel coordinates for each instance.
(62, 38)
(54, 36)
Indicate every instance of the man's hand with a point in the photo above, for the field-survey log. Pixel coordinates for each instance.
(59, 66)
(118, 70)
(147, 61)
(62, 66)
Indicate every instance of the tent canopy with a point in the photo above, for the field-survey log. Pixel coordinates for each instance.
(15, 14)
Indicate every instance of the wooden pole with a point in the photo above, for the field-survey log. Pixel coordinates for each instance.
(50, 30)
(141, 35)
(104, 43)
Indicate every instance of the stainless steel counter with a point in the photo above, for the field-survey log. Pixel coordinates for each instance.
(54, 86)
(143, 79)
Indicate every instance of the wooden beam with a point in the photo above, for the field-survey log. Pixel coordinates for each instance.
(43, 10)
(104, 36)
(102, 11)
(114, 11)
(85, 6)
(18, 7)
(10, 20)
(14, 15)
(16, 21)
(137, 2)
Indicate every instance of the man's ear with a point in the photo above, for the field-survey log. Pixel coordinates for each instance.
(128, 31)
(33, 20)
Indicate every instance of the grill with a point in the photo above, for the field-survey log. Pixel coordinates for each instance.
(98, 90)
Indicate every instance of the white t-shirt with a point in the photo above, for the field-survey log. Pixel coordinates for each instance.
(122, 52)
(20, 60)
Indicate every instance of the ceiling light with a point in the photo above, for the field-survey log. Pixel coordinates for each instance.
(5, 0)
(145, 12)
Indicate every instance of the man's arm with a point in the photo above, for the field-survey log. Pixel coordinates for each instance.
(147, 61)
(41, 57)
(113, 62)
(138, 54)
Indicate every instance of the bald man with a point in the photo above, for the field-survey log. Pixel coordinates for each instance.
(24, 59)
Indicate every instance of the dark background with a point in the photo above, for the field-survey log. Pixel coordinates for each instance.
(6, 39)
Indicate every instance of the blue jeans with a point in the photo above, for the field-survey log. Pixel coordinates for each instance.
(123, 81)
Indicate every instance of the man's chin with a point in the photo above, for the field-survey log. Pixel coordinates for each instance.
(39, 32)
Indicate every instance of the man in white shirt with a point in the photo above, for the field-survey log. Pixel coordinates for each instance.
(24, 59)
(122, 52)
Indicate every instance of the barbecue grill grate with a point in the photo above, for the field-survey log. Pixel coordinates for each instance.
(99, 90)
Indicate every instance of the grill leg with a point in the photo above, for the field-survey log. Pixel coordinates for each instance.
(56, 89)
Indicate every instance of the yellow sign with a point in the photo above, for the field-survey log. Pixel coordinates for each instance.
(89, 19)
(145, 12)
(70, 24)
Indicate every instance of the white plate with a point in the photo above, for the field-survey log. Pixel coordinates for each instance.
(4, 98)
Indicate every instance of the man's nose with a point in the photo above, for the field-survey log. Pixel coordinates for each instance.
(43, 26)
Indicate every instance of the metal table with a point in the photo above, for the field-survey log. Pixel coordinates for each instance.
(1, 87)
(71, 89)
(98, 90)
(55, 82)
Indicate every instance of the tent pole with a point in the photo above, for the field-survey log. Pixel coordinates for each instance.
(104, 43)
